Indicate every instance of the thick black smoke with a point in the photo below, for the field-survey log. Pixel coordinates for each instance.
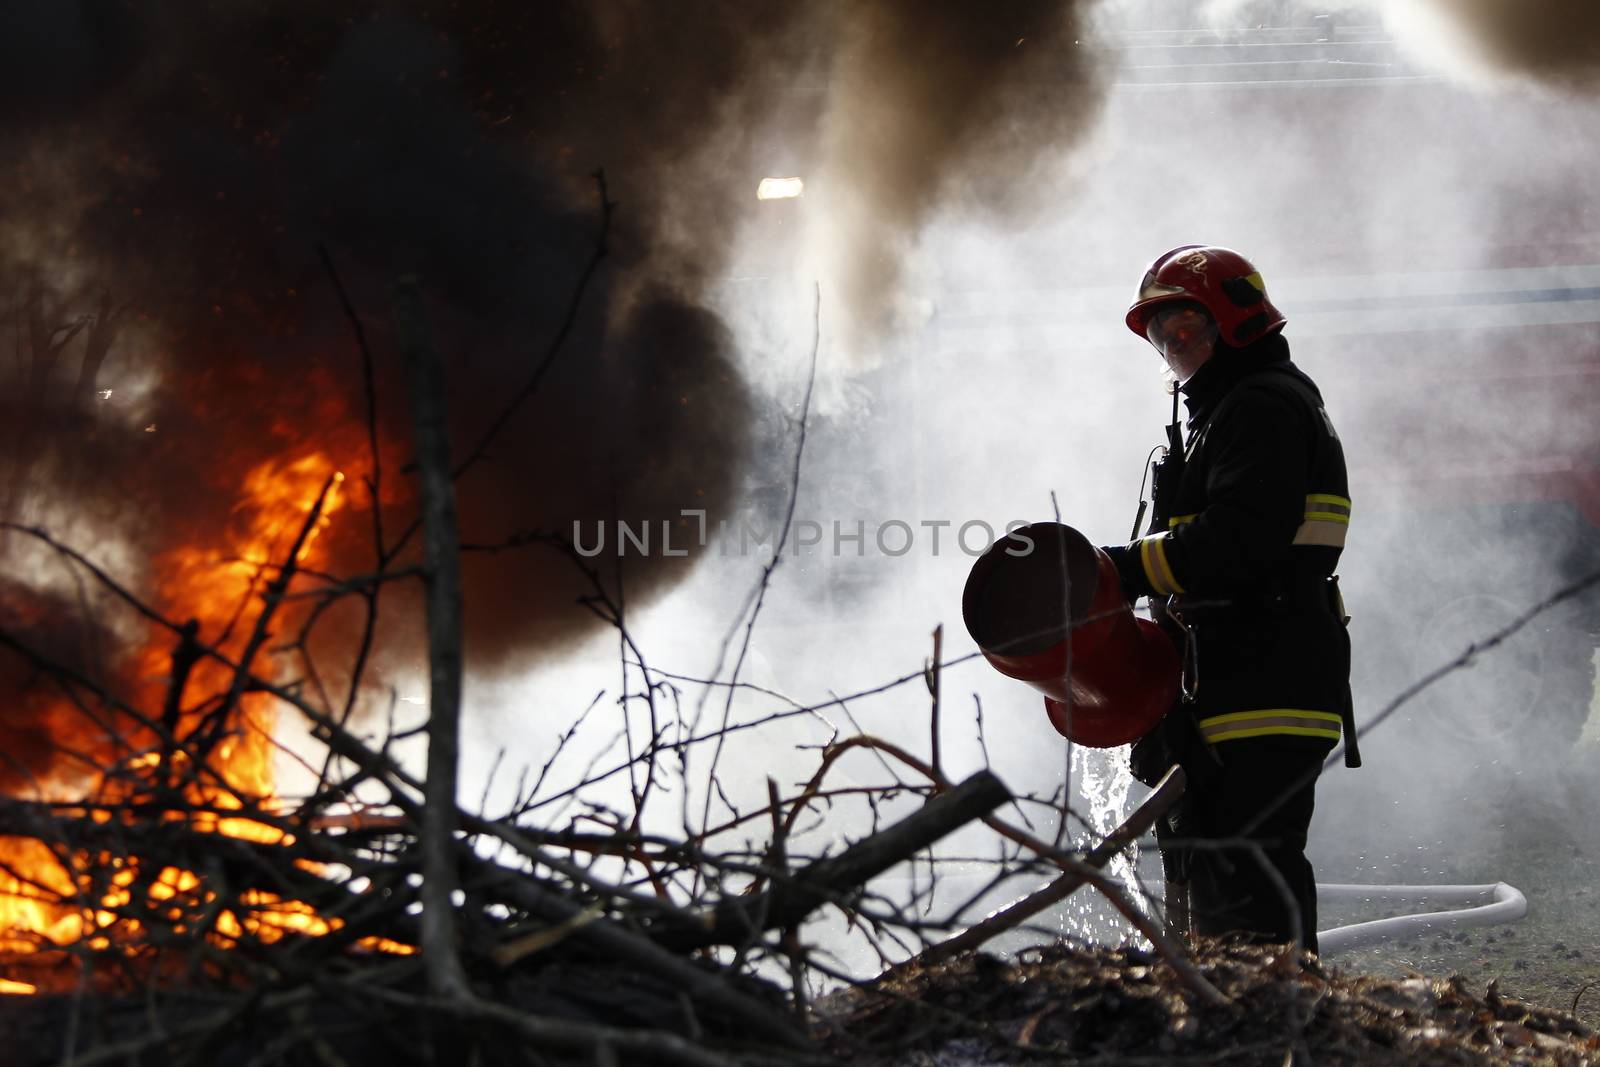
(188, 163)
(174, 168)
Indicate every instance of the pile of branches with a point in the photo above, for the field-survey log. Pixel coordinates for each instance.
(313, 931)
(1065, 1003)
(310, 932)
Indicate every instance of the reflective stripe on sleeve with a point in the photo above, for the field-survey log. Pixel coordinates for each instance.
(1327, 518)
(1179, 520)
(1290, 722)
(1328, 507)
(1157, 570)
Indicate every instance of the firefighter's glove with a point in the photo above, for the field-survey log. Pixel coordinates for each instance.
(1198, 759)
(1175, 739)
(1129, 570)
(1149, 758)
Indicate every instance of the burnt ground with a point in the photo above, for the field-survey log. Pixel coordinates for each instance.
(1076, 1004)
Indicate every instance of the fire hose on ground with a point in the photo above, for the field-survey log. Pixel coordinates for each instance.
(1044, 606)
(1462, 905)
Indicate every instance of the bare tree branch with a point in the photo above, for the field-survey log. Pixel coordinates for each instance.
(442, 563)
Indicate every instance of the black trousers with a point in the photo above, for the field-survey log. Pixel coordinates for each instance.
(1239, 842)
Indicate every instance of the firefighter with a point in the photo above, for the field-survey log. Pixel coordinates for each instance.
(1251, 507)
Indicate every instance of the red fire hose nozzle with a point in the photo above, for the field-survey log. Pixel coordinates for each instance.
(1046, 607)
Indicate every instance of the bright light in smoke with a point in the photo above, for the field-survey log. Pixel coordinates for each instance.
(779, 188)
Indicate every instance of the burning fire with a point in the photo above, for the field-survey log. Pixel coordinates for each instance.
(215, 586)
(283, 508)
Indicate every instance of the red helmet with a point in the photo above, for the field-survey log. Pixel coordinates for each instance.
(1219, 279)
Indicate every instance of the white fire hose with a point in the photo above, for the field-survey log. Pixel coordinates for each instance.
(1457, 905)
(1463, 905)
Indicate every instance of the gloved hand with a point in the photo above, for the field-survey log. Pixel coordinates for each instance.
(1175, 739)
(1129, 570)
(1149, 758)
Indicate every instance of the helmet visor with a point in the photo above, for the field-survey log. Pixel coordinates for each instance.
(1184, 333)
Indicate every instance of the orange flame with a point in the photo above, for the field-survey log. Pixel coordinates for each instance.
(42, 888)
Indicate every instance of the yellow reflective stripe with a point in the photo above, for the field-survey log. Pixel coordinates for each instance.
(1152, 571)
(1277, 713)
(1179, 520)
(1157, 570)
(1293, 731)
(1166, 567)
(1267, 722)
(1327, 516)
(1327, 506)
(1323, 532)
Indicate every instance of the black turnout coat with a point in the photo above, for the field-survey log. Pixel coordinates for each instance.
(1242, 550)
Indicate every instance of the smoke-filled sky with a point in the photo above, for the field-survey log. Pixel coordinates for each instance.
(984, 185)
(175, 172)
